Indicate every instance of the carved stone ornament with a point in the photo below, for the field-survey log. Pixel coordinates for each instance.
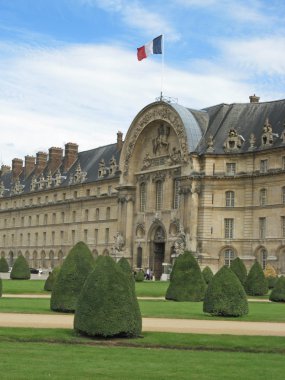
(165, 114)
(119, 242)
(102, 169)
(33, 185)
(210, 144)
(143, 178)
(57, 178)
(174, 156)
(158, 177)
(2, 189)
(113, 167)
(125, 198)
(49, 180)
(17, 188)
(252, 142)
(159, 236)
(233, 142)
(180, 242)
(78, 177)
(160, 143)
(267, 135)
(146, 162)
(140, 230)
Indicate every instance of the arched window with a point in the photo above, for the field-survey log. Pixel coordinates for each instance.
(97, 214)
(263, 258)
(159, 195)
(229, 256)
(108, 213)
(263, 197)
(142, 197)
(230, 199)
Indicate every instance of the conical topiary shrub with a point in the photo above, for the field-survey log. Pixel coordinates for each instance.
(238, 267)
(278, 292)
(125, 266)
(4, 267)
(186, 280)
(20, 270)
(71, 277)
(256, 284)
(107, 305)
(49, 283)
(207, 274)
(225, 295)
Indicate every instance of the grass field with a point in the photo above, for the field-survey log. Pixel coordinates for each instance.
(258, 312)
(61, 361)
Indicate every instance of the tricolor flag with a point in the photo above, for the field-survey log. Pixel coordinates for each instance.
(152, 47)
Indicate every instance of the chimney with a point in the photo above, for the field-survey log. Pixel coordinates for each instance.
(54, 158)
(254, 99)
(119, 140)
(41, 161)
(29, 165)
(5, 169)
(70, 155)
(17, 167)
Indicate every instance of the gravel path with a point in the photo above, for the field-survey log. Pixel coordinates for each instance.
(152, 324)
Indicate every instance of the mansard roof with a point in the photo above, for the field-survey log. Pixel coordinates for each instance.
(245, 119)
(86, 164)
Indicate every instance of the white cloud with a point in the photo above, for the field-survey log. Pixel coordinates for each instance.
(139, 15)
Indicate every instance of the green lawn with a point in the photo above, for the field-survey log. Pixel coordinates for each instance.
(261, 311)
(61, 361)
(23, 286)
(255, 344)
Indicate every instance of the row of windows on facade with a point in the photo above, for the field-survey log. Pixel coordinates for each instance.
(53, 198)
(55, 238)
(231, 167)
(44, 219)
(229, 256)
(159, 195)
(229, 228)
(230, 197)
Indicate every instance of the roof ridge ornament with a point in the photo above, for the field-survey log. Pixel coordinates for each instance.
(233, 142)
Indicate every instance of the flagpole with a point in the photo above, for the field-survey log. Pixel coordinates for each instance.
(162, 66)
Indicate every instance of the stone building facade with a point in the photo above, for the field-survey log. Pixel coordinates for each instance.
(211, 181)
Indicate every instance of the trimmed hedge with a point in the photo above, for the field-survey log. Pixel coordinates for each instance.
(225, 295)
(278, 292)
(207, 274)
(139, 277)
(186, 280)
(271, 282)
(49, 283)
(256, 283)
(238, 267)
(107, 306)
(71, 277)
(20, 270)
(4, 267)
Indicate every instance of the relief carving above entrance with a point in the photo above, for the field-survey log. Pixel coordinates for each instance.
(160, 144)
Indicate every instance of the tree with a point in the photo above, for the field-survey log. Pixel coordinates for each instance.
(278, 292)
(139, 276)
(238, 267)
(71, 277)
(20, 270)
(107, 305)
(186, 280)
(256, 284)
(225, 295)
(49, 283)
(4, 267)
(207, 274)
(270, 275)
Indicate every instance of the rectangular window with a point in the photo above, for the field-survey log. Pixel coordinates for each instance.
(54, 218)
(230, 199)
(176, 195)
(229, 228)
(53, 237)
(231, 168)
(96, 236)
(283, 226)
(21, 239)
(44, 238)
(36, 238)
(62, 217)
(73, 237)
(159, 193)
(263, 166)
(29, 239)
(37, 220)
(61, 237)
(73, 216)
(75, 194)
(22, 221)
(86, 215)
(30, 220)
(85, 235)
(45, 219)
(262, 228)
(88, 193)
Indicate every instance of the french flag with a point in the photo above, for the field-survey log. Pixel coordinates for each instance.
(152, 47)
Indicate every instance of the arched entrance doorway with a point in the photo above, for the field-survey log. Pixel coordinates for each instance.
(157, 251)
